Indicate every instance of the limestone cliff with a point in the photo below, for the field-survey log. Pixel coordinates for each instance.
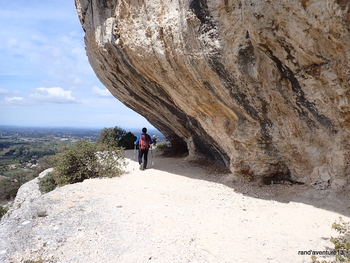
(261, 85)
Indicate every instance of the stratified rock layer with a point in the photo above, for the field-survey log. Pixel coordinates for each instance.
(261, 85)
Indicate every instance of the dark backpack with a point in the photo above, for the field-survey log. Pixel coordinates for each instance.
(144, 142)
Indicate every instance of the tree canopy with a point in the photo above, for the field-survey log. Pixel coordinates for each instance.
(117, 137)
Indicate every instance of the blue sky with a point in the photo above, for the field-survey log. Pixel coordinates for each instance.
(45, 77)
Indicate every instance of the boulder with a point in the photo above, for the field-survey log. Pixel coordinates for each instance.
(262, 86)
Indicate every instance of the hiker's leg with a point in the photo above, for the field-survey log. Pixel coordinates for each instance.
(145, 158)
(140, 156)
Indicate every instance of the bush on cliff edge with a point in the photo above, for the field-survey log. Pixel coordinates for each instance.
(83, 161)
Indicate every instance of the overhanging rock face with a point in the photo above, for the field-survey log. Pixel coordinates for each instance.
(261, 85)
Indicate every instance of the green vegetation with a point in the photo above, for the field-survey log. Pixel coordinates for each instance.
(111, 136)
(161, 146)
(14, 178)
(41, 214)
(47, 183)
(117, 137)
(34, 261)
(127, 141)
(341, 243)
(3, 211)
(76, 154)
(84, 161)
(26, 152)
(8, 188)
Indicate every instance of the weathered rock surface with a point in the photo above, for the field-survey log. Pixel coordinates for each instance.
(261, 85)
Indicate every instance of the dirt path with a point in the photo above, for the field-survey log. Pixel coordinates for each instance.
(176, 212)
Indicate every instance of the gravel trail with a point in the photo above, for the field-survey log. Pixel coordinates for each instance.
(177, 211)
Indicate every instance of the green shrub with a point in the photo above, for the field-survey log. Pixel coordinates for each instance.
(87, 160)
(3, 211)
(343, 241)
(161, 146)
(47, 183)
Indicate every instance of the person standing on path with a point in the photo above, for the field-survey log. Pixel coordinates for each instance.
(144, 142)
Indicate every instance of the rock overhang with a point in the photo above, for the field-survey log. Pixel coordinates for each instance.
(261, 86)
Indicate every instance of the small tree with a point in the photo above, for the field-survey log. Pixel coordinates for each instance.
(111, 136)
(127, 141)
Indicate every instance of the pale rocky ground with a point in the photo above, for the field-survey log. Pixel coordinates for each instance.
(176, 211)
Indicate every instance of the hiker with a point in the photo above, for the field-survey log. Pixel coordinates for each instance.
(154, 139)
(144, 142)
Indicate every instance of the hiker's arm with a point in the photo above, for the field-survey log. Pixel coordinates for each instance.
(150, 139)
(137, 140)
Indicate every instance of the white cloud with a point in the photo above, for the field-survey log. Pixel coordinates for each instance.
(43, 46)
(44, 40)
(4, 91)
(102, 93)
(8, 92)
(79, 81)
(53, 95)
(15, 100)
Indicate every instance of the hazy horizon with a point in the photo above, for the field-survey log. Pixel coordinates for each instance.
(150, 128)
